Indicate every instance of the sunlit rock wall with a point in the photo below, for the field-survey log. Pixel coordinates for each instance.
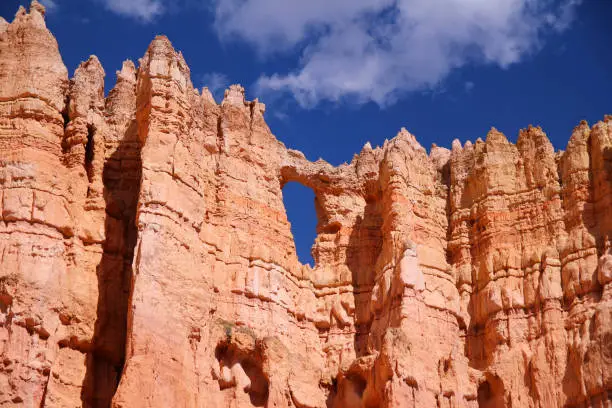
(146, 259)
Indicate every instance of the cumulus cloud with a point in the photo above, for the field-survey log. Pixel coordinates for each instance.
(217, 83)
(378, 50)
(144, 10)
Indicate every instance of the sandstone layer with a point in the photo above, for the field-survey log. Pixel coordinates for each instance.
(146, 258)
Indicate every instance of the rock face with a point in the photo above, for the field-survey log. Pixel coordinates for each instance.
(147, 260)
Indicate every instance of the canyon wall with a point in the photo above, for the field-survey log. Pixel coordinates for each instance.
(146, 259)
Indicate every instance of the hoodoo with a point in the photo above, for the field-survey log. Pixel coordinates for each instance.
(146, 259)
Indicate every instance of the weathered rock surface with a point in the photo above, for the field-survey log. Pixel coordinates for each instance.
(146, 259)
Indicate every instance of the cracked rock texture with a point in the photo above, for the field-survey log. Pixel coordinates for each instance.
(146, 259)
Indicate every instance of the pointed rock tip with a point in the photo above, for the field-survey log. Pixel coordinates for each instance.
(128, 64)
(403, 131)
(161, 59)
(404, 134)
(259, 106)
(439, 154)
(582, 126)
(579, 136)
(91, 66)
(161, 39)
(437, 148)
(495, 136)
(456, 145)
(160, 44)
(36, 6)
(92, 63)
(21, 11)
(207, 95)
(35, 17)
(235, 88)
(367, 147)
(234, 95)
(127, 71)
(128, 67)
(531, 128)
(532, 132)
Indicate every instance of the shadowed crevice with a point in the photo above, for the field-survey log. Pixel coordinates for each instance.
(89, 152)
(121, 177)
(365, 245)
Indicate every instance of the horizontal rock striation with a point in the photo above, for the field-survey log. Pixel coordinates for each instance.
(146, 258)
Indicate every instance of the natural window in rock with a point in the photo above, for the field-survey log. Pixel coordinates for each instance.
(300, 206)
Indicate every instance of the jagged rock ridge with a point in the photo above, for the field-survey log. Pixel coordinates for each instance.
(147, 260)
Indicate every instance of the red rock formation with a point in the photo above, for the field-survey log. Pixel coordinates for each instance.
(147, 259)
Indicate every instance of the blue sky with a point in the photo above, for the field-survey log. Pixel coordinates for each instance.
(338, 73)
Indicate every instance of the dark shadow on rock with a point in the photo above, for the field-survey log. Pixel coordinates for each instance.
(365, 244)
(121, 177)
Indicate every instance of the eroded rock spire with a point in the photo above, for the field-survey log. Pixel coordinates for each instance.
(147, 259)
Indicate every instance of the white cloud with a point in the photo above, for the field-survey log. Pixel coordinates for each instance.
(217, 83)
(565, 15)
(50, 5)
(145, 10)
(377, 50)
(275, 25)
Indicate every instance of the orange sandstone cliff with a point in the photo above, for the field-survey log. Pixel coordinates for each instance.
(146, 259)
